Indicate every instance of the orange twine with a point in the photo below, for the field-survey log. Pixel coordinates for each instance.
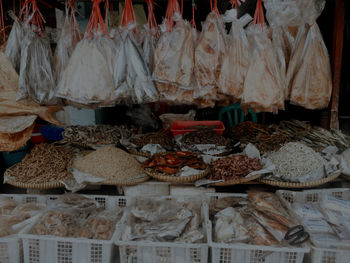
(2, 22)
(193, 21)
(235, 3)
(172, 9)
(96, 21)
(259, 14)
(128, 16)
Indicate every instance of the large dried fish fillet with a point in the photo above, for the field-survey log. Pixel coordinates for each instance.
(13, 141)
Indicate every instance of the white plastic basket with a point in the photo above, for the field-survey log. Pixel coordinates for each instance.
(45, 249)
(11, 246)
(162, 252)
(245, 253)
(319, 254)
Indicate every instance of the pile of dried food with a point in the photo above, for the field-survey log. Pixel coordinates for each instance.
(161, 137)
(257, 219)
(45, 163)
(95, 134)
(204, 136)
(234, 167)
(109, 163)
(171, 163)
(77, 217)
(163, 220)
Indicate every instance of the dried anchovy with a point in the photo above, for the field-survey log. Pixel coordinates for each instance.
(45, 163)
(205, 136)
(95, 134)
(234, 167)
(159, 137)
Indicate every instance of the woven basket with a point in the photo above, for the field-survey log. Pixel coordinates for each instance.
(178, 179)
(239, 181)
(43, 186)
(301, 185)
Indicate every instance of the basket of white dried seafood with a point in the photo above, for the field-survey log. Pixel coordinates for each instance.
(325, 213)
(250, 229)
(163, 229)
(299, 166)
(16, 213)
(75, 228)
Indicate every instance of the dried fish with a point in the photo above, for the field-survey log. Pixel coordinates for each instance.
(159, 137)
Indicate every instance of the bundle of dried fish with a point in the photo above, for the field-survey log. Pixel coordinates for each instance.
(234, 167)
(160, 137)
(296, 162)
(161, 220)
(95, 134)
(45, 163)
(13, 47)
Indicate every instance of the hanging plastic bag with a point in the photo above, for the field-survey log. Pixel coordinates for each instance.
(263, 90)
(236, 63)
(13, 47)
(150, 36)
(36, 79)
(70, 36)
(174, 58)
(209, 54)
(88, 77)
(133, 82)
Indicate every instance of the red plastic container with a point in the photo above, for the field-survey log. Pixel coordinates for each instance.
(183, 127)
(37, 137)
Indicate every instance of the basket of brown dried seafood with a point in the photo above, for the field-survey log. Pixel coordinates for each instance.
(177, 167)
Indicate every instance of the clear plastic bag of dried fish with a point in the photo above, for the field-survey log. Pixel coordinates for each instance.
(163, 220)
(174, 58)
(88, 77)
(70, 36)
(209, 53)
(236, 63)
(36, 78)
(14, 42)
(133, 82)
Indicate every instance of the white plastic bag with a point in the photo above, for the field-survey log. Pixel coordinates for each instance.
(13, 47)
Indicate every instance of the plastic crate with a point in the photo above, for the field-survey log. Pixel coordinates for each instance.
(245, 253)
(319, 254)
(44, 249)
(183, 127)
(162, 252)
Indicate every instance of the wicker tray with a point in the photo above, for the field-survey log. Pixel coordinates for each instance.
(43, 186)
(177, 179)
(301, 185)
(239, 181)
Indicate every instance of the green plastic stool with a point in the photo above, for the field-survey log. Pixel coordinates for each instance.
(237, 111)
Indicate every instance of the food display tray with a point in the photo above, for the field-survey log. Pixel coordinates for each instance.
(159, 252)
(44, 249)
(318, 254)
(183, 127)
(245, 253)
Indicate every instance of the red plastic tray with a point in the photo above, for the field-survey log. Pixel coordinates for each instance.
(178, 127)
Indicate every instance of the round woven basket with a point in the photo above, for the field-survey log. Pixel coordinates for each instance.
(301, 185)
(178, 179)
(238, 181)
(43, 186)
(127, 182)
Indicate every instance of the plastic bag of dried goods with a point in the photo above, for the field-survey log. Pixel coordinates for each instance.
(236, 63)
(209, 54)
(150, 36)
(173, 56)
(311, 84)
(70, 36)
(36, 79)
(13, 47)
(263, 90)
(88, 77)
(133, 82)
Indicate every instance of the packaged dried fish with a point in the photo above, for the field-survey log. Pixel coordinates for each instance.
(88, 77)
(236, 62)
(70, 36)
(13, 47)
(209, 53)
(36, 78)
(132, 78)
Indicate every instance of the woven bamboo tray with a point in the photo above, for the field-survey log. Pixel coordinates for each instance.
(239, 181)
(43, 186)
(301, 185)
(178, 179)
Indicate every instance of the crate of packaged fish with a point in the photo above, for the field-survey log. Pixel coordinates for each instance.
(75, 228)
(250, 228)
(163, 229)
(325, 213)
